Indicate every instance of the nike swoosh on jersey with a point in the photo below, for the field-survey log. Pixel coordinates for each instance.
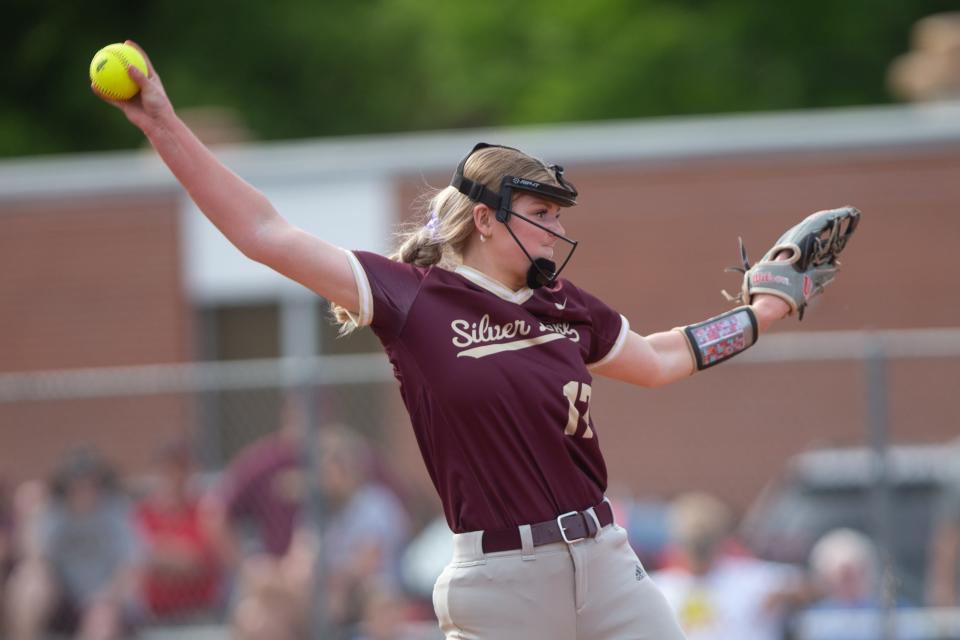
(559, 306)
(516, 345)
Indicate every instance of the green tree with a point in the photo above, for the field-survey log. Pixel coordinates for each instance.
(296, 68)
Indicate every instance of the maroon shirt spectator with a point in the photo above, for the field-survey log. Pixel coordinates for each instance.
(6, 536)
(263, 488)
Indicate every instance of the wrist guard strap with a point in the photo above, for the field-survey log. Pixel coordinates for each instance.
(721, 337)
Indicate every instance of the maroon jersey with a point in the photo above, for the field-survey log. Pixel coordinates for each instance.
(496, 384)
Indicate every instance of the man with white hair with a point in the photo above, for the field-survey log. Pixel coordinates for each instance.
(845, 568)
(844, 565)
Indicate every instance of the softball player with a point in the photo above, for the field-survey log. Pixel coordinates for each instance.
(495, 356)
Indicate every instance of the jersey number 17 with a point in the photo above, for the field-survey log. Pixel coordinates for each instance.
(577, 391)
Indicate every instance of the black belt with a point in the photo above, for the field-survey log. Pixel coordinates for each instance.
(569, 527)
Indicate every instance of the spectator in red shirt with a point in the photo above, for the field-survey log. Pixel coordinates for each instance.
(182, 564)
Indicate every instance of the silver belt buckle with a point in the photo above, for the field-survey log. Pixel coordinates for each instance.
(563, 530)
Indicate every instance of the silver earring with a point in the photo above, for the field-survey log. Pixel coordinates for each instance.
(483, 238)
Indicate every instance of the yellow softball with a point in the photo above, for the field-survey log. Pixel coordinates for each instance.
(108, 70)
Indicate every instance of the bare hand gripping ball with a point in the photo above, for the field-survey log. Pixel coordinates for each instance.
(108, 70)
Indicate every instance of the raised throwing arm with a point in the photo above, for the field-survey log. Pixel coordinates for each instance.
(240, 211)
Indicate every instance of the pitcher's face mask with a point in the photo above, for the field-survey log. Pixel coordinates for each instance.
(542, 272)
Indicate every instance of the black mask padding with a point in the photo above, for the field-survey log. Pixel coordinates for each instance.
(542, 273)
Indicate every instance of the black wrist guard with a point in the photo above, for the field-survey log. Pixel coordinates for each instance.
(721, 337)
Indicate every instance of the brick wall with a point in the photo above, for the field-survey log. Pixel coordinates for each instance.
(89, 283)
(96, 282)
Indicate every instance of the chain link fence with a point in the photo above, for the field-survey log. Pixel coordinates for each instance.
(242, 486)
(237, 551)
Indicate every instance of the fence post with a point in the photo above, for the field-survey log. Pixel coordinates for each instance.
(298, 340)
(878, 435)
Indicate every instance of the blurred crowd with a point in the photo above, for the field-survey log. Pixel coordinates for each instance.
(87, 554)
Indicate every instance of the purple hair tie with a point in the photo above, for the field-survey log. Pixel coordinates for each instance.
(433, 224)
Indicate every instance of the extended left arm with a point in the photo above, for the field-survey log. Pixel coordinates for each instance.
(795, 270)
(665, 357)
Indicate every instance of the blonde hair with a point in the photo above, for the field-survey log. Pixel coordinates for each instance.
(444, 224)
(699, 520)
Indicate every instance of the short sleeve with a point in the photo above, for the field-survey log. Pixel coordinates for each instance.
(387, 290)
(48, 525)
(609, 331)
(126, 541)
(231, 493)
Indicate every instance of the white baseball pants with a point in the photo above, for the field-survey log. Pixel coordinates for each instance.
(594, 589)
